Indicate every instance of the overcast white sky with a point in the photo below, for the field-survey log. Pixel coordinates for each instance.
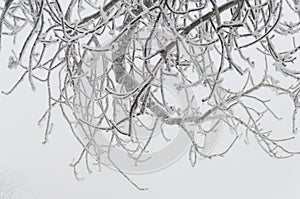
(245, 172)
(42, 171)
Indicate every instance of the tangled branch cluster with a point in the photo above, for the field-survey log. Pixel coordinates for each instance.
(106, 66)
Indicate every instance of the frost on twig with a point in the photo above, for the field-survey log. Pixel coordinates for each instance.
(108, 66)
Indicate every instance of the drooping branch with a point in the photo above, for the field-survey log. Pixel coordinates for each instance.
(133, 69)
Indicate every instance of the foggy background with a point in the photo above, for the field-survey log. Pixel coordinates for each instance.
(43, 171)
(37, 171)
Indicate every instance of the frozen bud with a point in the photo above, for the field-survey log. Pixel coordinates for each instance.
(171, 109)
(12, 63)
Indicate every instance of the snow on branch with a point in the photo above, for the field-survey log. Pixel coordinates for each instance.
(110, 66)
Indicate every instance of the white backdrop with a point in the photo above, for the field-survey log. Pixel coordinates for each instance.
(43, 172)
(245, 172)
